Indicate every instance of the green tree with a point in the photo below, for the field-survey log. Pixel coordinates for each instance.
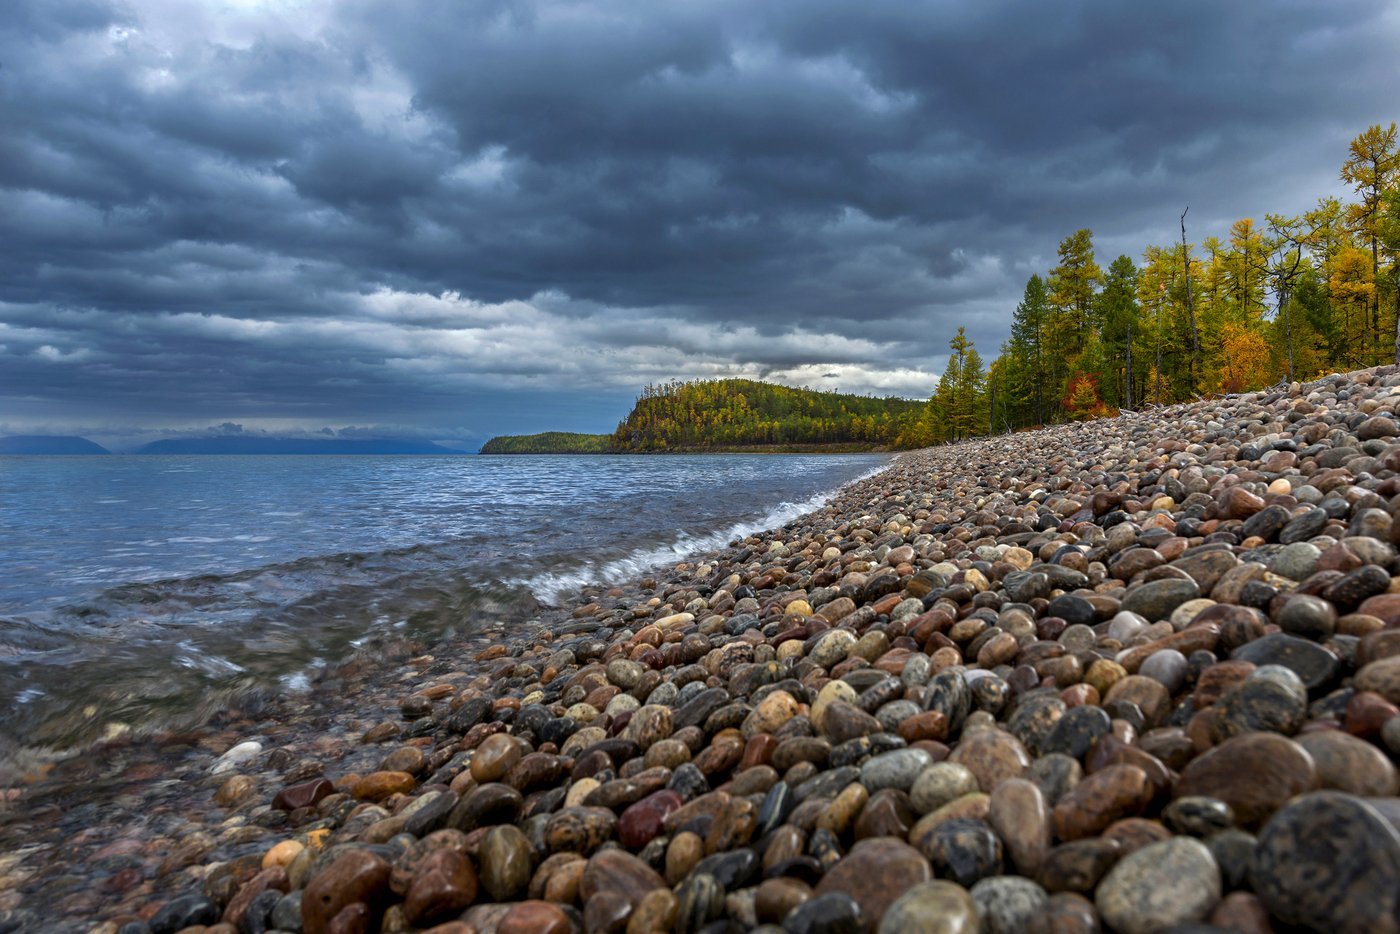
(1118, 314)
(1371, 170)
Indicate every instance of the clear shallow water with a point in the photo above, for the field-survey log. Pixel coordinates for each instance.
(133, 589)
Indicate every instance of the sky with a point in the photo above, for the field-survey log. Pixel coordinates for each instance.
(449, 219)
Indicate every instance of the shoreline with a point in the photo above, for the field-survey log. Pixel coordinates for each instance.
(847, 750)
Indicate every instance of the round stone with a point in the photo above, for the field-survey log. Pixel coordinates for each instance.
(991, 755)
(875, 873)
(1329, 862)
(937, 907)
(1008, 904)
(939, 784)
(897, 768)
(1255, 774)
(1353, 765)
(506, 860)
(832, 913)
(1163, 884)
(963, 849)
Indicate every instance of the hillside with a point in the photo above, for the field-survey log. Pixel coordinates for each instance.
(49, 444)
(734, 414)
(548, 442)
(255, 445)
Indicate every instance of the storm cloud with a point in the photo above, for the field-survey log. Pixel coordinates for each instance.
(456, 219)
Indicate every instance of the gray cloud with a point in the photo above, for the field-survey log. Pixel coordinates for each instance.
(429, 214)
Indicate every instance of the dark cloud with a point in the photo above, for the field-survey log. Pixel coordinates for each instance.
(430, 214)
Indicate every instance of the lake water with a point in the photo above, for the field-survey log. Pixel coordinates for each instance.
(133, 588)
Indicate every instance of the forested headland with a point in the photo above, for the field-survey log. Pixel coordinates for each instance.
(1292, 297)
(734, 415)
(549, 442)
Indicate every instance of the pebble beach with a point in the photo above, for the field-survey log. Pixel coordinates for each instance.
(1136, 674)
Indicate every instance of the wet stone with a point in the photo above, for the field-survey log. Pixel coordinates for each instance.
(1308, 617)
(939, 784)
(1348, 764)
(304, 795)
(1312, 663)
(357, 877)
(937, 907)
(1077, 731)
(1306, 525)
(1079, 865)
(1329, 862)
(843, 721)
(1162, 884)
(732, 870)
(888, 813)
(1055, 774)
(1255, 774)
(185, 911)
(443, 886)
(963, 850)
(1167, 666)
(992, 756)
(506, 861)
(1018, 813)
(1382, 677)
(1198, 816)
(875, 873)
(895, 769)
(1157, 599)
(582, 829)
(699, 900)
(1108, 795)
(830, 913)
(1008, 904)
(948, 694)
(1271, 699)
(1035, 720)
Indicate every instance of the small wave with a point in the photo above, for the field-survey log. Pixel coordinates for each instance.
(556, 585)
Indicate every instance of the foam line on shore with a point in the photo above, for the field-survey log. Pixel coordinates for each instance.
(556, 586)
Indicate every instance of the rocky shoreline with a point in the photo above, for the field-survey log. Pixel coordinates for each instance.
(1132, 675)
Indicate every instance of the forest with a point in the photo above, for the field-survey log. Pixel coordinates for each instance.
(1288, 298)
(549, 442)
(740, 413)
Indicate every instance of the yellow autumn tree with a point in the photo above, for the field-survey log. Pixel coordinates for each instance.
(1247, 364)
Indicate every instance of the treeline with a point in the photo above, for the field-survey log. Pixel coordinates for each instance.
(549, 442)
(1294, 297)
(741, 413)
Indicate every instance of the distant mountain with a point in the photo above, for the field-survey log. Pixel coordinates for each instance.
(49, 444)
(237, 444)
(549, 442)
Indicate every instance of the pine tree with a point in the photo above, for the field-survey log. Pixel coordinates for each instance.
(1118, 312)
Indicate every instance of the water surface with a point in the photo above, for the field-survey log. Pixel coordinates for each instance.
(137, 589)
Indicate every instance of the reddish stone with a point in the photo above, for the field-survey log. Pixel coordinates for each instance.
(1367, 712)
(272, 878)
(534, 917)
(641, 822)
(931, 724)
(304, 795)
(444, 884)
(1255, 774)
(758, 751)
(1100, 799)
(356, 877)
